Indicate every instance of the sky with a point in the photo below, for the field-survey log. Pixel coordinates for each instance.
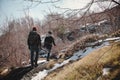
(12, 9)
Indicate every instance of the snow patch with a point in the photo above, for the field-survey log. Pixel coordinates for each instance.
(101, 22)
(110, 39)
(44, 73)
(106, 71)
(40, 75)
(41, 61)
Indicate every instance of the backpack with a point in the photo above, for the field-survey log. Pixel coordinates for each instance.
(33, 38)
(48, 40)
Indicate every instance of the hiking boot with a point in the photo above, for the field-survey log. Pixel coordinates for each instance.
(36, 65)
(31, 67)
(48, 60)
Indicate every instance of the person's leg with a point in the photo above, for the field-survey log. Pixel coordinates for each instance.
(48, 54)
(32, 58)
(36, 57)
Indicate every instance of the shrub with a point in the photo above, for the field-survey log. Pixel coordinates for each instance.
(116, 34)
(81, 44)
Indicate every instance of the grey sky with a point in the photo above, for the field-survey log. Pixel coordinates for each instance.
(16, 8)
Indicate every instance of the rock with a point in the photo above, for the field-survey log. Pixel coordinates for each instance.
(5, 72)
(106, 71)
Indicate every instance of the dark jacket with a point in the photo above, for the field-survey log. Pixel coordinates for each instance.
(34, 39)
(49, 40)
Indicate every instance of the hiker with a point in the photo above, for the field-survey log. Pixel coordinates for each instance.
(48, 42)
(34, 44)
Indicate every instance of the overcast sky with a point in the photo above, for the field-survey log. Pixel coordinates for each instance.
(16, 8)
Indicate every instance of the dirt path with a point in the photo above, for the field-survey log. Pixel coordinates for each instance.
(23, 73)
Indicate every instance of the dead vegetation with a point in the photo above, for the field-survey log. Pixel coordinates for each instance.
(90, 67)
(116, 34)
(80, 44)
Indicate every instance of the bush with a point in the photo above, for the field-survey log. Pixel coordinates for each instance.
(116, 34)
(81, 44)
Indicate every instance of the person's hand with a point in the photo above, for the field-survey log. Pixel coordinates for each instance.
(43, 46)
(28, 47)
(40, 47)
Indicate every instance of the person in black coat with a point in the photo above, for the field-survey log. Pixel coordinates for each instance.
(48, 42)
(34, 44)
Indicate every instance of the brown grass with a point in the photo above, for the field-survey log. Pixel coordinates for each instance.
(90, 67)
(50, 64)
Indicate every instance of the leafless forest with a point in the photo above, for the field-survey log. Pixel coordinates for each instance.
(66, 30)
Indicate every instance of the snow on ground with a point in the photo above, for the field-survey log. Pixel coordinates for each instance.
(77, 55)
(86, 51)
(41, 61)
(40, 75)
(110, 39)
(106, 71)
(101, 22)
(44, 73)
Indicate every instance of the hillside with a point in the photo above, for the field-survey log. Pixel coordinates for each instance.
(94, 55)
(91, 66)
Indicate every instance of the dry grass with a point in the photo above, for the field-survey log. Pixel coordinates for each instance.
(90, 67)
(50, 64)
(80, 44)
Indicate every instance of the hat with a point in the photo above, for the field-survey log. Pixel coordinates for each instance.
(34, 29)
(49, 32)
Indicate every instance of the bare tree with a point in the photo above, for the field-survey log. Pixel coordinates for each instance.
(13, 48)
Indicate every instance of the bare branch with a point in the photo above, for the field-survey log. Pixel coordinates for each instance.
(44, 2)
(76, 9)
(116, 2)
(38, 2)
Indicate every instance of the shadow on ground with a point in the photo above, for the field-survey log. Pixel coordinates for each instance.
(17, 74)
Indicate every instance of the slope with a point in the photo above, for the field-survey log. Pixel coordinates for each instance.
(91, 66)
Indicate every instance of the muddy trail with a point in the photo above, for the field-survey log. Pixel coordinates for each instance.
(23, 73)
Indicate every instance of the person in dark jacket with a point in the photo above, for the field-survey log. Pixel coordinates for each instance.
(34, 44)
(48, 42)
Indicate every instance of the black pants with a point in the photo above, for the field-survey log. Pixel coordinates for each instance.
(48, 54)
(34, 55)
(48, 47)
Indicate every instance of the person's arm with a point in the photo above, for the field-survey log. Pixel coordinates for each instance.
(28, 43)
(40, 42)
(44, 42)
(54, 42)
